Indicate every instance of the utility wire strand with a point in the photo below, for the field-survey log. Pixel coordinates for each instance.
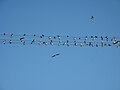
(41, 39)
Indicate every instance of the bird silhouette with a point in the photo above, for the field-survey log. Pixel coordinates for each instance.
(11, 35)
(10, 41)
(33, 41)
(55, 55)
(116, 42)
(92, 17)
(21, 39)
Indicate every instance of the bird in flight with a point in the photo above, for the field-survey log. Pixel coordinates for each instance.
(55, 55)
(92, 17)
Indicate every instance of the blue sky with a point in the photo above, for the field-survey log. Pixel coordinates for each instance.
(31, 67)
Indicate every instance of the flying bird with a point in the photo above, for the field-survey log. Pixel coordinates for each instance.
(92, 17)
(55, 55)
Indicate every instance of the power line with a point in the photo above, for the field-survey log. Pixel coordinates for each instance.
(41, 39)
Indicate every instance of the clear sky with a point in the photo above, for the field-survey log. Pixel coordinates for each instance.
(31, 67)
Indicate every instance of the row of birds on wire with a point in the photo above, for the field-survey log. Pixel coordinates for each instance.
(67, 40)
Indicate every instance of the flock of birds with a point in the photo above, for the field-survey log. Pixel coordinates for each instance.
(93, 41)
(60, 40)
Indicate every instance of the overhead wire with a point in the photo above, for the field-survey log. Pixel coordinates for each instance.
(41, 39)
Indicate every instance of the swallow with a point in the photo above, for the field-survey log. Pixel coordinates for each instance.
(33, 41)
(55, 55)
(11, 35)
(116, 42)
(92, 17)
(21, 39)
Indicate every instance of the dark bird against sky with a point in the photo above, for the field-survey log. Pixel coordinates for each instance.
(92, 17)
(55, 55)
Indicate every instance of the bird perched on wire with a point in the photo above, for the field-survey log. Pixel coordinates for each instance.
(55, 55)
(92, 17)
